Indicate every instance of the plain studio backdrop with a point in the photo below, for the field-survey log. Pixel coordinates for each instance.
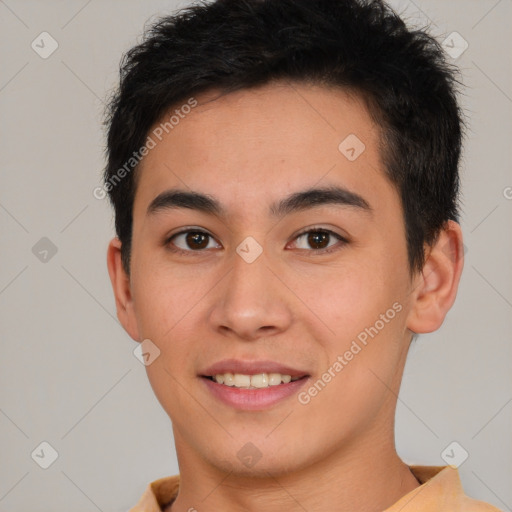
(68, 375)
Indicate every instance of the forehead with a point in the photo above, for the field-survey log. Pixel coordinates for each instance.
(260, 144)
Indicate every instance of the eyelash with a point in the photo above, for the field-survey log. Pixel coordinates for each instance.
(326, 250)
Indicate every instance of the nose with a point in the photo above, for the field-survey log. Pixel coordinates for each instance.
(251, 302)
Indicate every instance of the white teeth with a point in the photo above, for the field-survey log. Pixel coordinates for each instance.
(261, 380)
(229, 379)
(274, 379)
(242, 381)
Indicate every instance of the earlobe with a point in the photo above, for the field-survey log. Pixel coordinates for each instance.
(436, 287)
(122, 289)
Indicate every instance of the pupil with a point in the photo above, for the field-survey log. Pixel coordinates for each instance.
(194, 240)
(318, 238)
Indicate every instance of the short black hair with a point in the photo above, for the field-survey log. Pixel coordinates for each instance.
(357, 45)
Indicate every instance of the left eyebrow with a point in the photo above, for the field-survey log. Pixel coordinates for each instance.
(314, 197)
(298, 201)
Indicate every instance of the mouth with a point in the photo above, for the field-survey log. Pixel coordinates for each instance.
(252, 385)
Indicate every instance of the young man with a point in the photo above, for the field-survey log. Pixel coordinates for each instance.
(284, 177)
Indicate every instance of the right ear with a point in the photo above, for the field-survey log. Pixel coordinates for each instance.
(438, 281)
(122, 290)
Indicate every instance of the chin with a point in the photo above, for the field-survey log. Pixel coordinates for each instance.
(250, 462)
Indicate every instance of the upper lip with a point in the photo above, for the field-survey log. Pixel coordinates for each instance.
(250, 368)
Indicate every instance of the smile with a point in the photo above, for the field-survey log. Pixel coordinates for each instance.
(258, 381)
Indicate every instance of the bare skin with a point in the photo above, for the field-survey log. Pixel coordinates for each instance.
(294, 304)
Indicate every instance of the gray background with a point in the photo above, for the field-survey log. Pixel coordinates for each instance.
(67, 373)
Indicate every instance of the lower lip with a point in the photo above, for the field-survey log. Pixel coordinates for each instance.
(253, 399)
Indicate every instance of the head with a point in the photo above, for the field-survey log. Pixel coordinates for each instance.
(251, 124)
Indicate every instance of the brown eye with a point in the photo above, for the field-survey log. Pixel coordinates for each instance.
(190, 241)
(196, 240)
(320, 241)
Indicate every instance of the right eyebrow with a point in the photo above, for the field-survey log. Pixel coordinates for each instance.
(176, 198)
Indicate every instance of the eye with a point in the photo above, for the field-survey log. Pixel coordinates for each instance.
(320, 240)
(189, 241)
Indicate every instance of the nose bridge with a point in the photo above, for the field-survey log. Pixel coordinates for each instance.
(251, 303)
(250, 273)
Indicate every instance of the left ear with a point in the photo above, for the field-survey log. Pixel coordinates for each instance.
(435, 288)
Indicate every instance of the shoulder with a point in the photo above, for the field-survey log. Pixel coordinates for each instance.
(441, 490)
(159, 495)
(471, 505)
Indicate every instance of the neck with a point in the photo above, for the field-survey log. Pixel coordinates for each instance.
(356, 479)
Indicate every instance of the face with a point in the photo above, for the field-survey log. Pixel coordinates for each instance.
(294, 264)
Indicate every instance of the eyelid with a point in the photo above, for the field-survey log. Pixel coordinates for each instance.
(315, 228)
(187, 229)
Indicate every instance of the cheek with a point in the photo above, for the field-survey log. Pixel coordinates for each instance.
(360, 319)
(360, 381)
(345, 298)
(165, 305)
(169, 304)
(164, 296)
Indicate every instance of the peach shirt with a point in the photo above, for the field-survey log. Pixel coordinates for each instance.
(440, 491)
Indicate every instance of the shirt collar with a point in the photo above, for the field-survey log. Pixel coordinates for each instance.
(439, 485)
(440, 490)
